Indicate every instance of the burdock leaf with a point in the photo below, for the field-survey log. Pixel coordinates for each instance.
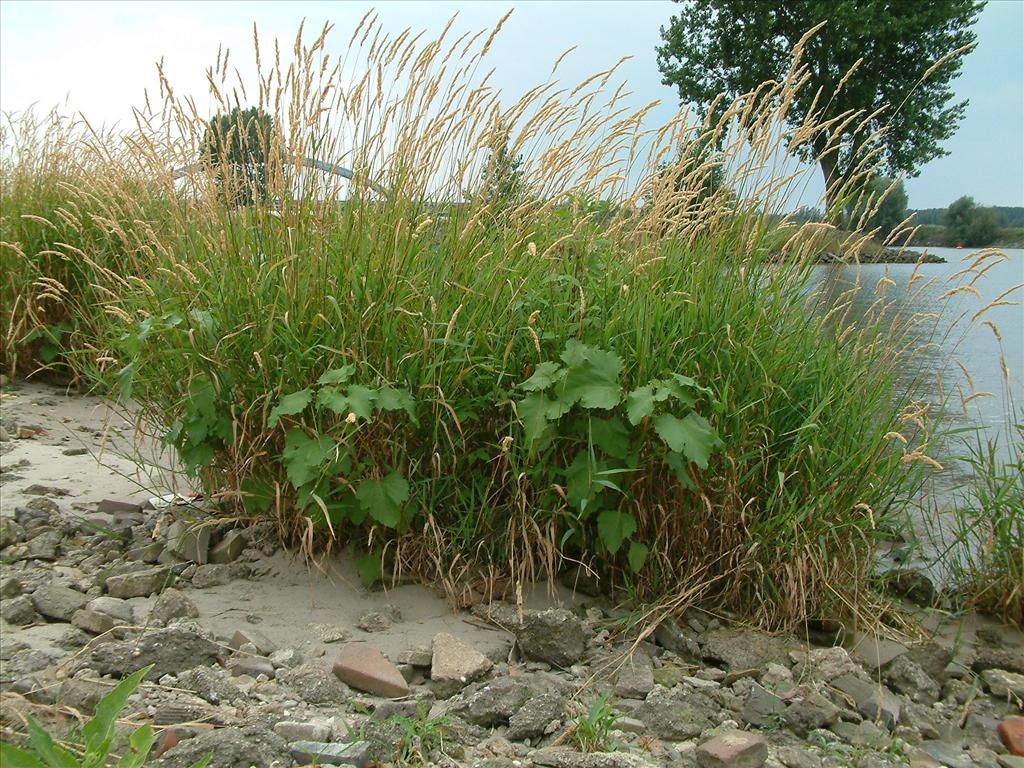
(615, 527)
(383, 499)
(691, 436)
(637, 555)
(535, 411)
(289, 405)
(305, 456)
(543, 377)
(639, 404)
(337, 375)
(361, 400)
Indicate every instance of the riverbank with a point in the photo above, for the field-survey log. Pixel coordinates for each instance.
(264, 660)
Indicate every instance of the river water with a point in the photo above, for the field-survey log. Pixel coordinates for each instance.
(953, 343)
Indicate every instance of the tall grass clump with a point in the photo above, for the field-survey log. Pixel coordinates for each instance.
(520, 335)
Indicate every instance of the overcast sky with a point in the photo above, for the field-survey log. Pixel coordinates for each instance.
(98, 58)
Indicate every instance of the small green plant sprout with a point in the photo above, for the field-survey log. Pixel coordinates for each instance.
(590, 731)
(97, 738)
(420, 735)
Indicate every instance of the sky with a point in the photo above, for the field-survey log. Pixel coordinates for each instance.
(98, 58)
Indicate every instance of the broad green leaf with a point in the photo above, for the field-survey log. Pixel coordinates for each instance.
(52, 754)
(637, 555)
(382, 499)
(258, 495)
(592, 378)
(581, 484)
(368, 566)
(691, 436)
(615, 527)
(305, 456)
(139, 743)
(639, 404)
(611, 436)
(333, 400)
(391, 399)
(667, 388)
(99, 731)
(202, 762)
(543, 377)
(678, 464)
(289, 405)
(534, 410)
(337, 375)
(12, 757)
(361, 400)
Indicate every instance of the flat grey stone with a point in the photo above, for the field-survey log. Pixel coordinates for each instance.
(325, 753)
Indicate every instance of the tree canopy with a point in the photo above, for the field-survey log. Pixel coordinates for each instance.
(237, 144)
(969, 224)
(732, 46)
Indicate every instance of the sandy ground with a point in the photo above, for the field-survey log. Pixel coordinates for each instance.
(291, 603)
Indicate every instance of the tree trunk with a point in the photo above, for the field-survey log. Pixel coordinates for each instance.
(828, 170)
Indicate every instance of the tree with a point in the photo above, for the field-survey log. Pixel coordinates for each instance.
(237, 145)
(732, 46)
(891, 211)
(502, 183)
(967, 224)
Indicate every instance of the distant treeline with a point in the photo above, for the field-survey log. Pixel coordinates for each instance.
(1007, 216)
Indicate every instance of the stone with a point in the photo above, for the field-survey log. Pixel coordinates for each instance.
(140, 583)
(794, 757)
(254, 666)
(563, 757)
(93, 621)
(57, 602)
(555, 636)
(252, 746)
(669, 676)
(496, 702)
(18, 610)
(1011, 732)
(229, 548)
(762, 708)
(826, 664)
(364, 667)
(315, 685)
(743, 649)
(287, 658)
(535, 718)
(635, 677)
(1010, 761)
(911, 584)
(455, 661)
(27, 661)
(862, 734)
(946, 754)
(906, 677)
(45, 546)
(733, 749)
(209, 683)
(1003, 684)
(114, 607)
(170, 650)
(379, 619)
(321, 753)
(1009, 659)
(10, 532)
(873, 653)
(290, 730)
(810, 712)
(189, 541)
(122, 508)
(421, 656)
(211, 575)
(83, 694)
(674, 719)
(264, 645)
(932, 658)
(873, 701)
(670, 637)
(173, 604)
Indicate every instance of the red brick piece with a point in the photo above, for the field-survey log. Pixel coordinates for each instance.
(364, 667)
(1011, 731)
(733, 749)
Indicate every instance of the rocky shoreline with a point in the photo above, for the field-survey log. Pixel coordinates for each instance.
(265, 662)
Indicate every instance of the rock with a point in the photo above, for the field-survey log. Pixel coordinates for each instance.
(315, 685)
(263, 644)
(120, 508)
(906, 677)
(555, 636)
(57, 602)
(83, 694)
(11, 532)
(825, 665)
(299, 731)
(743, 649)
(18, 610)
(1010, 761)
(288, 658)
(496, 702)
(456, 662)
(140, 583)
(794, 757)
(379, 620)
(209, 683)
(210, 575)
(178, 647)
(670, 637)
(629, 725)
(635, 677)
(536, 717)
(356, 753)
(254, 666)
(562, 757)
(249, 747)
(670, 718)
(733, 749)
(874, 701)
(1010, 659)
(863, 734)
(73, 639)
(1011, 732)
(762, 708)
(25, 662)
(45, 546)
(229, 548)
(420, 656)
(364, 667)
(93, 621)
(669, 676)
(1003, 684)
(949, 755)
(932, 658)
(189, 541)
(810, 712)
(114, 607)
(911, 584)
(873, 653)
(171, 605)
